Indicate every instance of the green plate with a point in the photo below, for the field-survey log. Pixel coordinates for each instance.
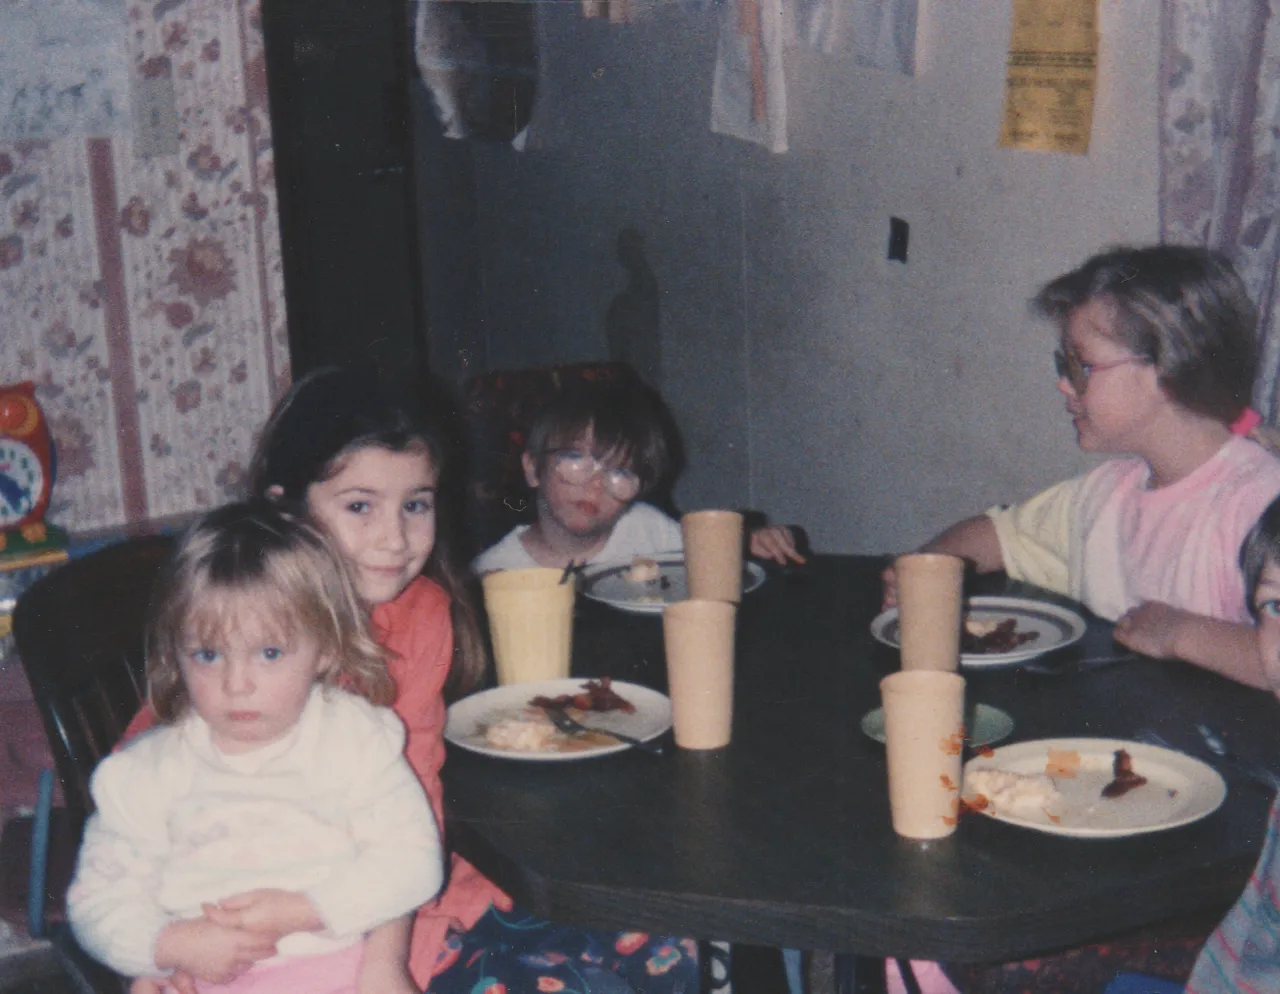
(984, 723)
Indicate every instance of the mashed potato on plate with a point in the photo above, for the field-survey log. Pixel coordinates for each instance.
(529, 731)
(1012, 793)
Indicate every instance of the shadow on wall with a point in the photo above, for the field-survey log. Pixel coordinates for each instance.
(632, 326)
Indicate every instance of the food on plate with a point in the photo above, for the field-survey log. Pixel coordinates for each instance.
(643, 570)
(1063, 763)
(596, 695)
(1125, 778)
(1008, 792)
(529, 731)
(982, 637)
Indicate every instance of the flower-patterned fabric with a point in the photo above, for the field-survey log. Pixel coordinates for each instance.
(1220, 149)
(515, 953)
(144, 296)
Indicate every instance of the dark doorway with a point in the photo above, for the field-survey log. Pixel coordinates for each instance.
(339, 74)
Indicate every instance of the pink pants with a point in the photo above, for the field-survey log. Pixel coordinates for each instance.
(332, 973)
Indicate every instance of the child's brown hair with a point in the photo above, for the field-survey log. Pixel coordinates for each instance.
(628, 424)
(333, 412)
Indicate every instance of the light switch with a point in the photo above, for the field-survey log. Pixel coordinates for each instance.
(899, 232)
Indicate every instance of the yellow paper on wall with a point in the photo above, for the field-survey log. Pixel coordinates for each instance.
(1052, 75)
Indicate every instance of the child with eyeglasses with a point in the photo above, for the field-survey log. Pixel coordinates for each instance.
(1159, 351)
(592, 453)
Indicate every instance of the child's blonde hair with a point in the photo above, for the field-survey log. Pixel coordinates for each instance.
(295, 579)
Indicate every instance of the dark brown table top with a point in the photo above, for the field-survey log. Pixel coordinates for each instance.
(784, 837)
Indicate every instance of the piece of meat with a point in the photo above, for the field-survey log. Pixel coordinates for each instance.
(1125, 779)
(595, 695)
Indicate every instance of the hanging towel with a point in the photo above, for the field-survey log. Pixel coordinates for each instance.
(748, 90)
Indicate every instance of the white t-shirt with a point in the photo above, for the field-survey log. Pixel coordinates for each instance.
(333, 811)
(642, 530)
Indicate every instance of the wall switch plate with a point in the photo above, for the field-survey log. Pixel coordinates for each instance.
(899, 233)
(155, 116)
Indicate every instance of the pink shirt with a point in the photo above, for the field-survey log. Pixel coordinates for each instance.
(417, 631)
(1112, 543)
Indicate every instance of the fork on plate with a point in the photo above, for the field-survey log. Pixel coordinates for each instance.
(1254, 771)
(571, 726)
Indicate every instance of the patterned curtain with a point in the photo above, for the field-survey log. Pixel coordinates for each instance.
(1220, 149)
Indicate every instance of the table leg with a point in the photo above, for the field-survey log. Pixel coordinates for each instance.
(859, 974)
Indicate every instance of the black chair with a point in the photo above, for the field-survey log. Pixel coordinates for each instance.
(80, 636)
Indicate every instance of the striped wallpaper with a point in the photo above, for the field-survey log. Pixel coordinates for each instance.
(144, 296)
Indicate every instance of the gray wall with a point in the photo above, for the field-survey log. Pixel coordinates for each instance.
(870, 401)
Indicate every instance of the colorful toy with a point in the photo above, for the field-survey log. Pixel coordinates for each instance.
(26, 472)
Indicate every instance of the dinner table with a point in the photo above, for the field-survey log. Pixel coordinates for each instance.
(783, 838)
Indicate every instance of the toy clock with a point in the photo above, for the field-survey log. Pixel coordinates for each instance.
(26, 467)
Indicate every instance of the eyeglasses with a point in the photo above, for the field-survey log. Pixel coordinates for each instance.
(1076, 371)
(580, 468)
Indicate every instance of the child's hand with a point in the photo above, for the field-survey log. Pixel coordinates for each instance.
(178, 982)
(889, 581)
(1152, 629)
(210, 952)
(775, 542)
(268, 912)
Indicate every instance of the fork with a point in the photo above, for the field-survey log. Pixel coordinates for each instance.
(1218, 746)
(571, 726)
(1254, 771)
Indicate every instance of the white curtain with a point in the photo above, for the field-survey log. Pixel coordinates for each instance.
(1220, 148)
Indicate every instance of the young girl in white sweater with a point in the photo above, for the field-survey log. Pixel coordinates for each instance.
(276, 791)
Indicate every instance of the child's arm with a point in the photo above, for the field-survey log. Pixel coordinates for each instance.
(398, 864)
(385, 968)
(1225, 647)
(973, 539)
(112, 903)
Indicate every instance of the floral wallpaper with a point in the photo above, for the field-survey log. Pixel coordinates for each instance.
(144, 295)
(1220, 149)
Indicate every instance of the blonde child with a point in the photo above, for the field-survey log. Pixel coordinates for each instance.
(1158, 355)
(591, 456)
(276, 784)
(366, 466)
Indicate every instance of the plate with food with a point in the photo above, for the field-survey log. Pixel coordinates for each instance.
(1000, 631)
(1091, 788)
(507, 721)
(983, 724)
(649, 583)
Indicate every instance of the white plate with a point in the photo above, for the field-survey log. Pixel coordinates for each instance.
(1178, 791)
(984, 725)
(652, 717)
(609, 585)
(1054, 626)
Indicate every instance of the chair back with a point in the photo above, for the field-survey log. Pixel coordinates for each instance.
(80, 634)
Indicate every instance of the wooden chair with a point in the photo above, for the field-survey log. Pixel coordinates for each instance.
(79, 633)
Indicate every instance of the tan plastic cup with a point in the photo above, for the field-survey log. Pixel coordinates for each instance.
(924, 739)
(699, 644)
(930, 605)
(713, 554)
(531, 623)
